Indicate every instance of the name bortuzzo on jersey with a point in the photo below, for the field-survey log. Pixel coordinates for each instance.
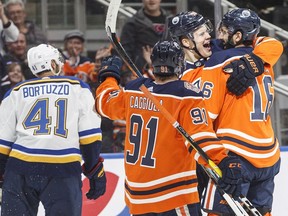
(34, 91)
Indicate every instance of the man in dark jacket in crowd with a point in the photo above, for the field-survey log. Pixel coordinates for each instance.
(143, 30)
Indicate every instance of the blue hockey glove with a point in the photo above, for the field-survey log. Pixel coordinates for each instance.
(97, 180)
(243, 73)
(231, 175)
(110, 67)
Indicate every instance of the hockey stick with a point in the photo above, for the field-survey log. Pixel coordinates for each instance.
(214, 173)
(110, 26)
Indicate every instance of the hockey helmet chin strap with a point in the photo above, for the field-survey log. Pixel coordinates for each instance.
(194, 49)
(230, 44)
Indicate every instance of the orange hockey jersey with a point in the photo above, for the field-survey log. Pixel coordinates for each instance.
(243, 123)
(160, 171)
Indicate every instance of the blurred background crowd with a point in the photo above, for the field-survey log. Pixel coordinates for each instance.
(76, 27)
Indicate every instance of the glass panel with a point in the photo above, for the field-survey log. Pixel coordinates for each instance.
(284, 127)
(61, 14)
(33, 11)
(95, 14)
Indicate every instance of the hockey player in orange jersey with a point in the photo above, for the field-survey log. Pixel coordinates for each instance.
(160, 167)
(252, 137)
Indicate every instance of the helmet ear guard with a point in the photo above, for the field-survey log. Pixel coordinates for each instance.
(40, 59)
(167, 58)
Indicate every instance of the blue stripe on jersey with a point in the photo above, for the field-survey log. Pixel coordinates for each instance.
(262, 148)
(89, 132)
(6, 143)
(222, 56)
(205, 140)
(46, 151)
(177, 88)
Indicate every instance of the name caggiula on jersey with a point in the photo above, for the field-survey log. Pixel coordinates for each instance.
(143, 103)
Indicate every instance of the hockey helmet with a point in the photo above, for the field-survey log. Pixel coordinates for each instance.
(186, 23)
(39, 58)
(244, 20)
(167, 58)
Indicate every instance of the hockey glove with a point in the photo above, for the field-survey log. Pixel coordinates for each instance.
(97, 180)
(243, 73)
(231, 175)
(110, 67)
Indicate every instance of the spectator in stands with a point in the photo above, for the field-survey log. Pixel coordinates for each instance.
(9, 32)
(75, 63)
(16, 12)
(16, 52)
(14, 76)
(145, 28)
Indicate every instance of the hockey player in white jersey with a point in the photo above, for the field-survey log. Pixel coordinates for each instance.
(47, 126)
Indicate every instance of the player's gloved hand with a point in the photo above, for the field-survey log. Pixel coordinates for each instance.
(231, 175)
(110, 67)
(97, 180)
(243, 73)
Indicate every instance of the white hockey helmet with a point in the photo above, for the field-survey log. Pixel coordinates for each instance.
(39, 59)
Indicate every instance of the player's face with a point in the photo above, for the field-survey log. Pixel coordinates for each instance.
(151, 5)
(74, 46)
(223, 34)
(15, 74)
(202, 40)
(16, 13)
(18, 48)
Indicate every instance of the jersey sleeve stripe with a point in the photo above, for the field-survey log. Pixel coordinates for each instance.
(160, 189)
(163, 197)
(161, 180)
(258, 155)
(45, 158)
(212, 115)
(100, 103)
(5, 150)
(5, 143)
(90, 139)
(46, 151)
(242, 143)
(203, 134)
(244, 135)
(90, 132)
(206, 149)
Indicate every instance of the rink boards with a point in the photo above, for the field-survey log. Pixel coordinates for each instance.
(112, 203)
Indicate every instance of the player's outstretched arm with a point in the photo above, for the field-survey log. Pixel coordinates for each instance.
(268, 49)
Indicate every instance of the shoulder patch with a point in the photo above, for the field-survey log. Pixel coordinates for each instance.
(113, 94)
(192, 87)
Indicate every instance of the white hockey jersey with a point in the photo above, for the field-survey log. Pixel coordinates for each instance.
(44, 121)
